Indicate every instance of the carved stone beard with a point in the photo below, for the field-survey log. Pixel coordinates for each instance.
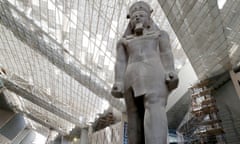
(139, 29)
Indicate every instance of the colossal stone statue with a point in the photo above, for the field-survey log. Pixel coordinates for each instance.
(144, 76)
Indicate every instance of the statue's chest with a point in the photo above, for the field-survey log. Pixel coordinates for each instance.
(145, 43)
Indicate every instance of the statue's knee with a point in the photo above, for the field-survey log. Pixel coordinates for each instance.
(131, 109)
(151, 99)
(155, 99)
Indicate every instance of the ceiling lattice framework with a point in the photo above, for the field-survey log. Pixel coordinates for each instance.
(209, 35)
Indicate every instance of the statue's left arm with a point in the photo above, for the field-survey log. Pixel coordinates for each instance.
(166, 56)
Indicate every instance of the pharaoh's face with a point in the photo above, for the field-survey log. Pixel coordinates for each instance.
(140, 17)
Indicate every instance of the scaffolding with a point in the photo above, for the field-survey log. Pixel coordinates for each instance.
(208, 128)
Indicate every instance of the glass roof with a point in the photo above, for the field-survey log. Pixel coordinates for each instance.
(66, 50)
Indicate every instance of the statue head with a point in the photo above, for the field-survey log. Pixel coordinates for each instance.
(139, 6)
(140, 18)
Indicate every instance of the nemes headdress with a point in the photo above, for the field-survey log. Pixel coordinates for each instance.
(139, 6)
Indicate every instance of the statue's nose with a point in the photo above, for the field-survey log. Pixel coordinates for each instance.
(137, 18)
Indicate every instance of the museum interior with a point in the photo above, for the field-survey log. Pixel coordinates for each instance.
(57, 60)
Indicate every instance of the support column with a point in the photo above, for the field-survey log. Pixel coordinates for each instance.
(1, 86)
(235, 76)
(29, 138)
(21, 136)
(13, 127)
(84, 136)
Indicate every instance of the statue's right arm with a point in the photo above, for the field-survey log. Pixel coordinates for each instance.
(120, 68)
(121, 62)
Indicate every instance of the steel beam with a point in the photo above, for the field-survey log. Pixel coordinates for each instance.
(23, 89)
(44, 123)
(34, 40)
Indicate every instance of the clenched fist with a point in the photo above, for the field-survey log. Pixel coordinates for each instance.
(171, 80)
(117, 90)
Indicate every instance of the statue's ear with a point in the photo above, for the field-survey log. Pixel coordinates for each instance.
(151, 11)
(128, 16)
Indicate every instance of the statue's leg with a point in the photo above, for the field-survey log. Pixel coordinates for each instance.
(155, 121)
(135, 113)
